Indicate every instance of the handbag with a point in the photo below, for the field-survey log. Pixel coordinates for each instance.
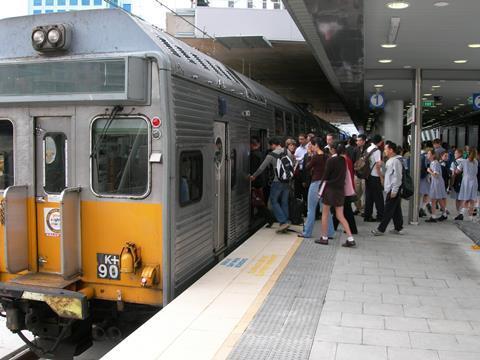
(348, 188)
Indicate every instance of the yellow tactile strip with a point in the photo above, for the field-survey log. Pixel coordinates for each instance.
(235, 335)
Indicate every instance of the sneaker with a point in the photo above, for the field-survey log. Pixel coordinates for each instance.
(376, 232)
(269, 225)
(459, 217)
(422, 213)
(283, 228)
(396, 232)
(303, 236)
(322, 241)
(442, 218)
(431, 220)
(349, 244)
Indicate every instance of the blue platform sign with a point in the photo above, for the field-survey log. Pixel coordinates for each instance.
(476, 101)
(377, 101)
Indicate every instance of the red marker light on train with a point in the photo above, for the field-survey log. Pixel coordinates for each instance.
(156, 122)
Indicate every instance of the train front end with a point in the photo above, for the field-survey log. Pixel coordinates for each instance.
(81, 169)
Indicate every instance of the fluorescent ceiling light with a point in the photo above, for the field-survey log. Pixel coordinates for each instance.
(460, 61)
(407, 66)
(461, 104)
(389, 46)
(378, 85)
(398, 5)
(427, 94)
(435, 86)
(474, 46)
(441, 3)
(385, 61)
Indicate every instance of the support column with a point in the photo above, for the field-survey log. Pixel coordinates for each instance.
(415, 145)
(391, 122)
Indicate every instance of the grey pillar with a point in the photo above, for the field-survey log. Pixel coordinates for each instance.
(415, 145)
(391, 122)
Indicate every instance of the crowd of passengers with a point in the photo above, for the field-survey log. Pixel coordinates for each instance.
(322, 177)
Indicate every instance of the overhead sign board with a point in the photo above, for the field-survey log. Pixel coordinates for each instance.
(476, 101)
(411, 115)
(428, 103)
(377, 101)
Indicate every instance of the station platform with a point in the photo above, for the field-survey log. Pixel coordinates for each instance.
(396, 297)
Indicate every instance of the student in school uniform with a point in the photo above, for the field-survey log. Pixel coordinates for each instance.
(437, 194)
(469, 189)
(456, 181)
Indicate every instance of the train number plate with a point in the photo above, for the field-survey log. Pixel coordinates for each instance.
(108, 266)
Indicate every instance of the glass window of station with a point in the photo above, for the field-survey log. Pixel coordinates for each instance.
(6, 154)
(120, 151)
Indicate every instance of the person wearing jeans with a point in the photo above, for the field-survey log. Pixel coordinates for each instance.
(373, 183)
(279, 200)
(316, 165)
(393, 201)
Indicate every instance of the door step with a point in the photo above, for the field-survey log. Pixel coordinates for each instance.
(44, 280)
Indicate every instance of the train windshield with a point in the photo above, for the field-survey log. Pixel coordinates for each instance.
(120, 162)
(6, 154)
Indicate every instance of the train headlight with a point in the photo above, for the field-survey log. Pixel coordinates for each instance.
(54, 36)
(51, 37)
(38, 38)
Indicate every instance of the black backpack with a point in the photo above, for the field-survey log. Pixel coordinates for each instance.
(457, 183)
(284, 167)
(406, 190)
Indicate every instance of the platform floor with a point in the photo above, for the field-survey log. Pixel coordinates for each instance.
(415, 296)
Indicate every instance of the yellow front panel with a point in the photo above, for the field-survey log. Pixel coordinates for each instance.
(107, 227)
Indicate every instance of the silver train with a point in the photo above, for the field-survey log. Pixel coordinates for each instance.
(124, 162)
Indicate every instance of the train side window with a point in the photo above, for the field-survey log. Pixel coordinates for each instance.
(191, 177)
(120, 151)
(289, 122)
(6, 154)
(279, 124)
(55, 162)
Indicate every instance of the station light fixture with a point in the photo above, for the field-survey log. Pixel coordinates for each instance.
(435, 86)
(378, 86)
(407, 66)
(385, 61)
(389, 46)
(441, 3)
(460, 61)
(49, 38)
(398, 5)
(427, 94)
(474, 46)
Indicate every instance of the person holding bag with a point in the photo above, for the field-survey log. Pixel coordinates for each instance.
(333, 193)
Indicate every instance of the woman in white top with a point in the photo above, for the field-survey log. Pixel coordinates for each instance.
(469, 188)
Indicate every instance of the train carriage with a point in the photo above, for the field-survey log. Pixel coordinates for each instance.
(123, 170)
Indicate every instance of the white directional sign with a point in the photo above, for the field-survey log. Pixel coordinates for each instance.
(476, 101)
(411, 115)
(377, 101)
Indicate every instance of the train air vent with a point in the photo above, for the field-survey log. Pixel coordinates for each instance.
(213, 67)
(168, 46)
(200, 61)
(184, 53)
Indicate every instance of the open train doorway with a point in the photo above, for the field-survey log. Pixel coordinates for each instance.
(220, 186)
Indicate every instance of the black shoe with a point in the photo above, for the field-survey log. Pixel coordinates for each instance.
(429, 208)
(321, 241)
(442, 218)
(349, 244)
(422, 213)
(431, 220)
(370, 220)
(269, 225)
(356, 212)
(459, 217)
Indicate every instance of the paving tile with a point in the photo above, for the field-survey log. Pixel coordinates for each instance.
(462, 314)
(386, 338)
(378, 271)
(433, 283)
(334, 295)
(408, 272)
(396, 280)
(416, 290)
(401, 299)
(406, 324)
(343, 306)
(450, 326)
(344, 285)
(381, 288)
(383, 309)
(411, 354)
(438, 301)
(364, 278)
(431, 312)
(469, 343)
(360, 296)
(363, 321)
(322, 350)
(428, 341)
(456, 355)
(338, 334)
(361, 352)
(330, 318)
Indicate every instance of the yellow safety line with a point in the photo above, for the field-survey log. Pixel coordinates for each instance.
(235, 335)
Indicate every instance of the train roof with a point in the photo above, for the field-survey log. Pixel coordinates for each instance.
(107, 32)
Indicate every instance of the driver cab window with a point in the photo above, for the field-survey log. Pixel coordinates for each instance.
(6, 154)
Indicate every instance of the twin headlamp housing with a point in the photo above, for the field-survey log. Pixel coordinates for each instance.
(51, 37)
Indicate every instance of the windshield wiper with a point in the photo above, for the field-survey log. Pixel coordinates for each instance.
(107, 125)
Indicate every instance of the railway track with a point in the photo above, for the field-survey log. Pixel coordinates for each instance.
(22, 353)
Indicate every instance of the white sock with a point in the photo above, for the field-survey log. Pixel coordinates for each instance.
(350, 239)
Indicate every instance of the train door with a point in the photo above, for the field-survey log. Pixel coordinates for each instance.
(53, 172)
(220, 185)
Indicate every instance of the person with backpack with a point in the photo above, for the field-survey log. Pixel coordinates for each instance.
(373, 181)
(469, 188)
(281, 161)
(392, 185)
(359, 182)
(456, 181)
